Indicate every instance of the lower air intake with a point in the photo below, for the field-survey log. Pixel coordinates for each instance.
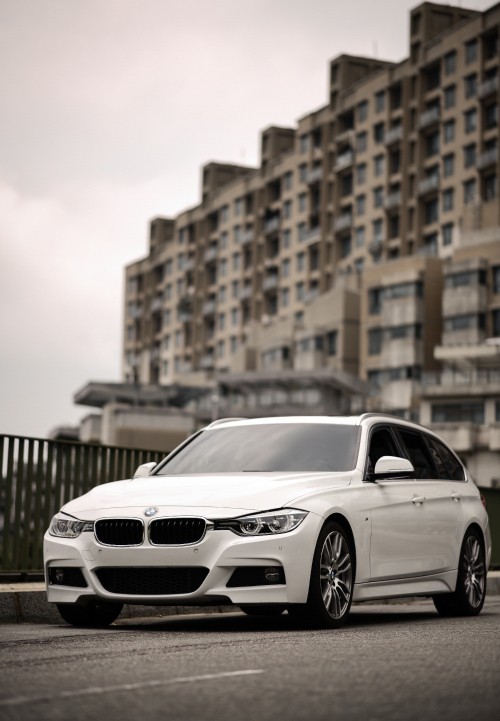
(152, 581)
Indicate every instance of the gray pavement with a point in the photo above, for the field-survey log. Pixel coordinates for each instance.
(27, 603)
(389, 663)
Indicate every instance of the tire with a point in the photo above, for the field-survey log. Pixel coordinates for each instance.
(263, 609)
(468, 597)
(332, 580)
(95, 614)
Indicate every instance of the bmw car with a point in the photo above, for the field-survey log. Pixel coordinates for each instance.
(302, 515)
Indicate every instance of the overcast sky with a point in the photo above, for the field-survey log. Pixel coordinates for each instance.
(108, 109)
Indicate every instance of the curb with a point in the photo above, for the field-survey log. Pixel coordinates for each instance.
(27, 603)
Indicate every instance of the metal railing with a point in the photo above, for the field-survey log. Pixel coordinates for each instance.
(37, 476)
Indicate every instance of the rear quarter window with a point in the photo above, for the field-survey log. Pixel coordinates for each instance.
(451, 464)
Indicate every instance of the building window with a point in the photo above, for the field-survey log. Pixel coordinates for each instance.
(470, 120)
(360, 204)
(450, 96)
(285, 297)
(432, 144)
(378, 197)
(331, 343)
(359, 236)
(431, 244)
(285, 268)
(222, 267)
(377, 228)
(448, 165)
(288, 180)
(450, 62)
(238, 206)
(448, 200)
(461, 412)
(431, 211)
(287, 238)
(362, 111)
(447, 233)
(236, 261)
(303, 173)
(302, 202)
(302, 232)
(496, 279)
(224, 214)
(378, 133)
(345, 246)
(361, 173)
(378, 165)
(490, 187)
(361, 142)
(470, 155)
(470, 86)
(465, 278)
(301, 262)
(469, 191)
(375, 338)
(491, 116)
(471, 51)
(287, 209)
(304, 143)
(237, 234)
(374, 301)
(235, 288)
(449, 131)
(222, 294)
(299, 291)
(465, 322)
(346, 185)
(379, 101)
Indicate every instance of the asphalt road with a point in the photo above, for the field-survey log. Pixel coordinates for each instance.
(397, 662)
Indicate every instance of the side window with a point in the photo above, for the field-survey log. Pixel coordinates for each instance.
(381, 444)
(453, 468)
(437, 458)
(418, 453)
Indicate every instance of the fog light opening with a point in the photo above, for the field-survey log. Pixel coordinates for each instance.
(272, 575)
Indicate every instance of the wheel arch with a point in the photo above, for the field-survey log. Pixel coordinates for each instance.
(342, 521)
(480, 532)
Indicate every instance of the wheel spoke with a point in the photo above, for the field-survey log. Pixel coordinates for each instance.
(344, 591)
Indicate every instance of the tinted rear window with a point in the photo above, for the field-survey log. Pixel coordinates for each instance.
(286, 447)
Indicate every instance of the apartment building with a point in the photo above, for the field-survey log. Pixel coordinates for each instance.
(332, 275)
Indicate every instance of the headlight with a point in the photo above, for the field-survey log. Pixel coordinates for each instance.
(69, 527)
(267, 523)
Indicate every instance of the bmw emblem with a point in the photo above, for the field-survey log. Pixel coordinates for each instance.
(150, 511)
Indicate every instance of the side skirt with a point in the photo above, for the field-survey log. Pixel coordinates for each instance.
(399, 587)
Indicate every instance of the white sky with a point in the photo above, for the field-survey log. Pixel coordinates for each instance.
(108, 109)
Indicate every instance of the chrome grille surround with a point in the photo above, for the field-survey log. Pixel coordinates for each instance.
(177, 530)
(119, 531)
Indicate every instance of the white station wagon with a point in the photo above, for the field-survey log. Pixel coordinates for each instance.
(296, 514)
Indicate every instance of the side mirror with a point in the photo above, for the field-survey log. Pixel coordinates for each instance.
(144, 470)
(392, 467)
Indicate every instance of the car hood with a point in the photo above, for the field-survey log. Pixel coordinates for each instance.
(210, 495)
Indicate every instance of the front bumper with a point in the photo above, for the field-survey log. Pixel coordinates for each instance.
(220, 551)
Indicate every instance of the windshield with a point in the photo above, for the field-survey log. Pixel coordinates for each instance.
(286, 447)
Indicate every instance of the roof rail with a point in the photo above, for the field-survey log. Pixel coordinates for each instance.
(224, 420)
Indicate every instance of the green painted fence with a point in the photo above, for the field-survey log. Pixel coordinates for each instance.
(38, 475)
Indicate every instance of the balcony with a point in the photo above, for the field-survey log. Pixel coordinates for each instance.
(245, 292)
(342, 222)
(207, 361)
(156, 304)
(487, 87)
(185, 316)
(393, 200)
(246, 237)
(210, 255)
(428, 184)
(270, 283)
(394, 135)
(272, 225)
(313, 235)
(208, 307)
(489, 157)
(345, 160)
(429, 117)
(314, 175)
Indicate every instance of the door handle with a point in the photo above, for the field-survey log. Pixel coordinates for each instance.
(418, 499)
(456, 496)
